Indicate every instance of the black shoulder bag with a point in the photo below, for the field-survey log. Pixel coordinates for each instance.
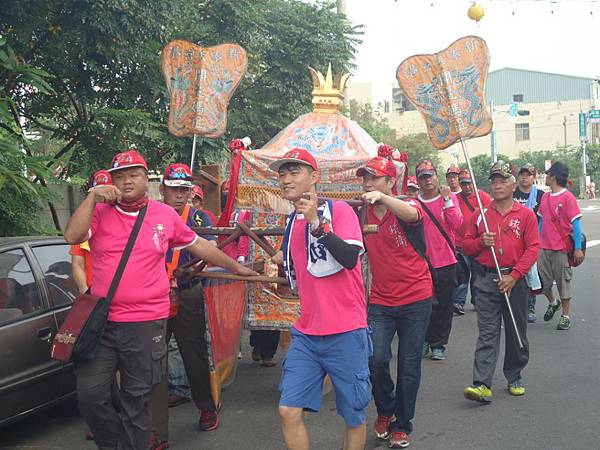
(462, 270)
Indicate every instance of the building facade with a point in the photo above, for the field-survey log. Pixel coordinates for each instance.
(548, 104)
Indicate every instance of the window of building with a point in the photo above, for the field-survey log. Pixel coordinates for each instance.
(19, 293)
(518, 98)
(55, 262)
(522, 131)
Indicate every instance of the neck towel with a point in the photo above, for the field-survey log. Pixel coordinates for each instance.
(320, 262)
(133, 206)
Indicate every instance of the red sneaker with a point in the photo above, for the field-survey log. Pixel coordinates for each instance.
(382, 426)
(399, 439)
(157, 444)
(209, 420)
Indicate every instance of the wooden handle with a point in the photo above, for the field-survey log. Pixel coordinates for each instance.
(253, 279)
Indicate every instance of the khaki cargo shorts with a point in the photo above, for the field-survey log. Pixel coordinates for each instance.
(553, 265)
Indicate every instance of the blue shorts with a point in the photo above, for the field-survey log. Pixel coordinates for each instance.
(344, 357)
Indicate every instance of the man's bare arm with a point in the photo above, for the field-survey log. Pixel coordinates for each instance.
(78, 269)
(81, 220)
(204, 250)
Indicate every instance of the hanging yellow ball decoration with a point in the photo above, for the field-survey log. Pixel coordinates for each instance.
(476, 12)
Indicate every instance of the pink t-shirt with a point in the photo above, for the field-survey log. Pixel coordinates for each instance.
(143, 293)
(336, 303)
(565, 207)
(438, 251)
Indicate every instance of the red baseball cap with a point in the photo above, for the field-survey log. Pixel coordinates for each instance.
(453, 170)
(197, 192)
(178, 175)
(424, 168)
(465, 176)
(296, 156)
(101, 178)
(379, 167)
(412, 182)
(127, 160)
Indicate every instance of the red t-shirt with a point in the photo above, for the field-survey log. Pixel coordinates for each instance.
(517, 242)
(83, 249)
(335, 303)
(400, 275)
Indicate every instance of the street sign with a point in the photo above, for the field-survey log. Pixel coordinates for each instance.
(547, 164)
(593, 116)
(513, 110)
(583, 125)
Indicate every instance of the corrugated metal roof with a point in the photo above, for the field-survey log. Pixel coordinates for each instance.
(536, 87)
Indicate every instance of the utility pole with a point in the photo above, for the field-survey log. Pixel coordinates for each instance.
(565, 129)
(493, 144)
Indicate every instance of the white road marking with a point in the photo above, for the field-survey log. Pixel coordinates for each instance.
(592, 243)
(590, 208)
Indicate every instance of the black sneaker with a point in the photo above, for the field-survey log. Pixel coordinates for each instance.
(551, 311)
(459, 309)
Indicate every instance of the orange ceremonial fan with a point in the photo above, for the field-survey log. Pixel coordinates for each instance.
(201, 81)
(448, 89)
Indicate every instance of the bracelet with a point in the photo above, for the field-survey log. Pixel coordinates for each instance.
(323, 229)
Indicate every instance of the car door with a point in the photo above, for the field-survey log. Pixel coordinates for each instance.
(28, 376)
(55, 266)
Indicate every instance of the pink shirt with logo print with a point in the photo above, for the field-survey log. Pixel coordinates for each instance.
(143, 293)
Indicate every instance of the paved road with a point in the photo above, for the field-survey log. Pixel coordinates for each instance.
(560, 410)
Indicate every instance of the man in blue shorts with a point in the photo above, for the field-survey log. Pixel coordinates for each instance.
(321, 250)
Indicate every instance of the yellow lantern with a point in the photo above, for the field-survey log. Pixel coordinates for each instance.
(476, 12)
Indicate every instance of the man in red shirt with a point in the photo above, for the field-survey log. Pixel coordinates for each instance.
(467, 201)
(514, 236)
(452, 178)
(400, 300)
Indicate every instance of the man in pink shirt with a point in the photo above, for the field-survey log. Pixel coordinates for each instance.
(134, 338)
(441, 220)
(321, 250)
(560, 216)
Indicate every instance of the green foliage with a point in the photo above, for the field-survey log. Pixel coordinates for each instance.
(17, 165)
(417, 146)
(377, 127)
(105, 58)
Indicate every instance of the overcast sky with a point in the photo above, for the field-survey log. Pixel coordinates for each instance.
(560, 36)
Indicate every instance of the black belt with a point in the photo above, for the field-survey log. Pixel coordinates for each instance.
(503, 270)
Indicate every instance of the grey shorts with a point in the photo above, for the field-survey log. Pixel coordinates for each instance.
(553, 265)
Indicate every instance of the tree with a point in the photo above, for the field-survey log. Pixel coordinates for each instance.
(110, 93)
(18, 193)
(377, 127)
(417, 146)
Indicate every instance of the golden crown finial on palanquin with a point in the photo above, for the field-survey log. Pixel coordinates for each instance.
(328, 96)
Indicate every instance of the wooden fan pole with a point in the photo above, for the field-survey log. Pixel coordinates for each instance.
(487, 229)
(193, 153)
